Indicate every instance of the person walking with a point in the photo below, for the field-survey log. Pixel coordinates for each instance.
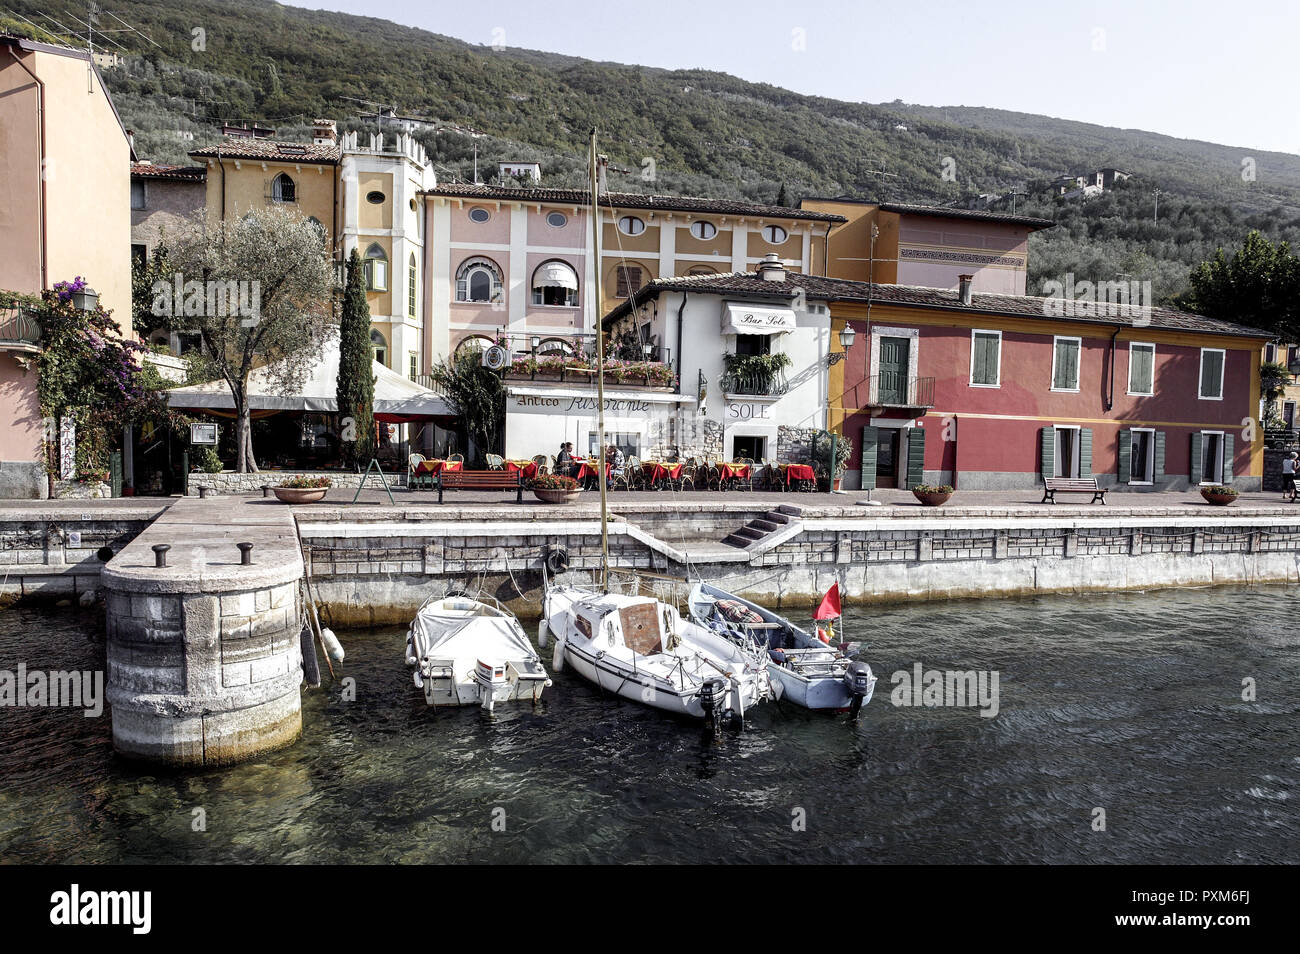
(1289, 465)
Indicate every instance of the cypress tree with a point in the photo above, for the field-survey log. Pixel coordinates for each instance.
(356, 384)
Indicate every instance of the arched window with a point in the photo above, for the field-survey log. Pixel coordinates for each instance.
(284, 189)
(631, 225)
(376, 266)
(701, 270)
(556, 346)
(555, 283)
(411, 284)
(628, 280)
(380, 346)
(478, 279)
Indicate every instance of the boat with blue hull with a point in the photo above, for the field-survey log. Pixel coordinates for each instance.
(803, 669)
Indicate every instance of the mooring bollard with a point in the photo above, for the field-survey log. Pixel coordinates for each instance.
(266, 490)
(160, 554)
(245, 554)
(203, 492)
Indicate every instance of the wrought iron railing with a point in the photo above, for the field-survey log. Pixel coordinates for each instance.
(754, 382)
(19, 327)
(891, 390)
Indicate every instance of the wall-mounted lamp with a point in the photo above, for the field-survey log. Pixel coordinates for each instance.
(847, 337)
(535, 341)
(86, 299)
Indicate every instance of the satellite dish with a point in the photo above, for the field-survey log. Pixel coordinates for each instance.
(495, 358)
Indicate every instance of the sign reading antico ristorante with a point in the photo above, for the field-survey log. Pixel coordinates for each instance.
(622, 405)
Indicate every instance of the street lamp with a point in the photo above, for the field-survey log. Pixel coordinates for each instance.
(847, 337)
(85, 299)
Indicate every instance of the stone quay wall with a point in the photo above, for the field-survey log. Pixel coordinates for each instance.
(228, 483)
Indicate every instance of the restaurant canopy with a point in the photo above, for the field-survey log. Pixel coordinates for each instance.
(398, 400)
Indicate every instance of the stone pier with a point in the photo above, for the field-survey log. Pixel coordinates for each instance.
(204, 661)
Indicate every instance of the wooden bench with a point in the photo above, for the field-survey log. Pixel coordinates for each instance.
(482, 480)
(1072, 485)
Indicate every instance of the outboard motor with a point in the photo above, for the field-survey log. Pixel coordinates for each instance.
(861, 682)
(710, 695)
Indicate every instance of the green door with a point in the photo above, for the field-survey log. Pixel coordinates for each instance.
(893, 371)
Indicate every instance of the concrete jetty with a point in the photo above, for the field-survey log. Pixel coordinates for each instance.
(204, 661)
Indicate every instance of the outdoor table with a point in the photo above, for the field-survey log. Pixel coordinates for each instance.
(586, 470)
(733, 471)
(435, 467)
(529, 467)
(657, 472)
(800, 472)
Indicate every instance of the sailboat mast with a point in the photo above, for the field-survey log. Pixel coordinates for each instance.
(600, 367)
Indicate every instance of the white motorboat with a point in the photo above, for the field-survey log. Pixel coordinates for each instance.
(467, 652)
(640, 649)
(804, 669)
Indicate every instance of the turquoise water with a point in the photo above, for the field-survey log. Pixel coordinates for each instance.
(1129, 703)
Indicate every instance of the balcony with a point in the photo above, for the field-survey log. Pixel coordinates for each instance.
(19, 331)
(755, 383)
(891, 391)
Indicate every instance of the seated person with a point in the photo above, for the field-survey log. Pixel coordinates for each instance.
(564, 460)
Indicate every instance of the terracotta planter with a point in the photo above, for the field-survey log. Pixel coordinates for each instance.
(836, 485)
(300, 495)
(1219, 500)
(932, 499)
(556, 496)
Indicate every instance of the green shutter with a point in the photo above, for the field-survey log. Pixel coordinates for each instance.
(870, 438)
(1227, 458)
(1141, 377)
(985, 361)
(1085, 452)
(1158, 469)
(1067, 365)
(915, 456)
(1125, 456)
(1047, 451)
(1198, 448)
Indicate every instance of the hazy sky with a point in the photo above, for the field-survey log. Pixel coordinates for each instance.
(1226, 72)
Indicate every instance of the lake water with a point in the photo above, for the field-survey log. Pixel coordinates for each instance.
(1128, 703)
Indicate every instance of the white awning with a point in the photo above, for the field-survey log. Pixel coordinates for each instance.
(739, 318)
(555, 275)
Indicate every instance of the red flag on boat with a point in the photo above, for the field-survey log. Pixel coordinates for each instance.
(829, 608)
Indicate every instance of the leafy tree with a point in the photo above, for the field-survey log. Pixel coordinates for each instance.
(1258, 285)
(356, 385)
(144, 273)
(477, 395)
(273, 259)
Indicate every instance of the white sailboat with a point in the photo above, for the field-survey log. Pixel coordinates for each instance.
(467, 652)
(638, 647)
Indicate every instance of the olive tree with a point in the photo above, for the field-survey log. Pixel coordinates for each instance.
(257, 290)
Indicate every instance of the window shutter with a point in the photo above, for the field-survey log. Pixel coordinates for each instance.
(1158, 470)
(915, 456)
(1125, 456)
(870, 438)
(1198, 448)
(1085, 452)
(1227, 475)
(1047, 451)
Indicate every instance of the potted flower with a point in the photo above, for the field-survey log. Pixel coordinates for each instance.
(932, 495)
(554, 488)
(1219, 495)
(303, 490)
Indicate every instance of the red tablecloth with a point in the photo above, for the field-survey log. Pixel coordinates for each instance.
(659, 471)
(528, 467)
(438, 466)
(728, 471)
(583, 469)
(799, 472)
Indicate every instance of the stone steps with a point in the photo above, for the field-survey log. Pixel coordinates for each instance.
(760, 527)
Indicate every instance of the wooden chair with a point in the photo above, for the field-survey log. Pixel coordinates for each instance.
(712, 476)
(495, 462)
(632, 477)
(412, 461)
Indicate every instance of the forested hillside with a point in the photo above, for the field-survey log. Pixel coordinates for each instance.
(706, 133)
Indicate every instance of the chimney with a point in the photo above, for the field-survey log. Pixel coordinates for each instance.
(324, 132)
(964, 287)
(602, 170)
(770, 268)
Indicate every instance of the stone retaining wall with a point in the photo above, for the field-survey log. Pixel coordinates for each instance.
(228, 482)
(57, 557)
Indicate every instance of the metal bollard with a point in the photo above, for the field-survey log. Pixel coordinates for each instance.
(266, 490)
(160, 554)
(245, 554)
(203, 492)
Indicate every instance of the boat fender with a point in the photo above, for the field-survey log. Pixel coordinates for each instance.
(332, 644)
(557, 560)
(310, 664)
(419, 679)
(557, 658)
(543, 634)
